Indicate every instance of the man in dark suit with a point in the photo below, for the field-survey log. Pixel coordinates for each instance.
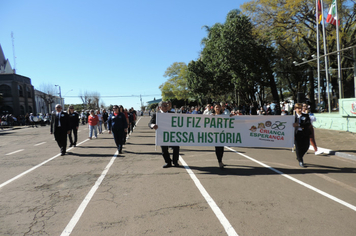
(73, 125)
(60, 127)
(163, 108)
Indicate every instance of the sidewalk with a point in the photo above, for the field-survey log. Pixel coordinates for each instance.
(335, 142)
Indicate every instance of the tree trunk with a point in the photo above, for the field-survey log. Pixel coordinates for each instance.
(273, 87)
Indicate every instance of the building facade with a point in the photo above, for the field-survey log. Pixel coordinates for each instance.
(45, 103)
(18, 95)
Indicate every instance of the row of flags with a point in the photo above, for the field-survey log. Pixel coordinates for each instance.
(331, 18)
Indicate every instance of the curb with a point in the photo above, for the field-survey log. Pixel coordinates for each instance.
(331, 152)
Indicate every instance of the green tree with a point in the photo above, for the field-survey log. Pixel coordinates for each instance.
(176, 87)
(291, 28)
(232, 61)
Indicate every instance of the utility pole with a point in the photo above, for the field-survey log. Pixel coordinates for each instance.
(60, 96)
(141, 102)
(13, 50)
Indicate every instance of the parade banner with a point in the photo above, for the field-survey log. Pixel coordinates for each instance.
(239, 131)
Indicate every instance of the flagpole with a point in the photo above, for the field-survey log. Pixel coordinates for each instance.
(317, 48)
(339, 75)
(326, 62)
(354, 52)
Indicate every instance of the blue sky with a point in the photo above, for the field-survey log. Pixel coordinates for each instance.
(116, 48)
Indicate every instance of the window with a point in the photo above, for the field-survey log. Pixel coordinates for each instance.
(5, 90)
(22, 110)
(20, 91)
(28, 92)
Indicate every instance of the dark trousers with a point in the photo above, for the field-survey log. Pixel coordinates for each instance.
(75, 133)
(60, 136)
(166, 156)
(131, 126)
(219, 151)
(124, 138)
(118, 137)
(302, 144)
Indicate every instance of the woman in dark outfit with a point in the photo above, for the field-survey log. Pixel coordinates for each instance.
(219, 151)
(117, 124)
(302, 133)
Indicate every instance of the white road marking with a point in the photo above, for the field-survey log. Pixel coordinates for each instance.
(72, 223)
(38, 144)
(223, 220)
(33, 168)
(14, 152)
(352, 207)
(76, 217)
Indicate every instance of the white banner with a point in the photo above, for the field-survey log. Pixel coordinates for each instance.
(241, 131)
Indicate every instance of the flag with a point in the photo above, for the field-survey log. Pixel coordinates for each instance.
(320, 15)
(331, 19)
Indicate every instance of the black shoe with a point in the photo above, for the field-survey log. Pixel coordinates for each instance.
(120, 152)
(176, 164)
(167, 165)
(62, 154)
(75, 145)
(301, 164)
(71, 145)
(221, 165)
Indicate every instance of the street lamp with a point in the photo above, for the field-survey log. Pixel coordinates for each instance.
(68, 92)
(60, 94)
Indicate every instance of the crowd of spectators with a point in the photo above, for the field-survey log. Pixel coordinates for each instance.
(236, 110)
(29, 119)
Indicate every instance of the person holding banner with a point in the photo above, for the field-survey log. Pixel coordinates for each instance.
(163, 108)
(219, 151)
(302, 133)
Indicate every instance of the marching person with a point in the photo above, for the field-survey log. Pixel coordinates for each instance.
(100, 124)
(73, 125)
(105, 119)
(163, 108)
(302, 133)
(219, 151)
(83, 117)
(60, 127)
(117, 125)
(305, 110)
(93, 121)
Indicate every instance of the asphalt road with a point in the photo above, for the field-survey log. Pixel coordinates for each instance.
(91, 191)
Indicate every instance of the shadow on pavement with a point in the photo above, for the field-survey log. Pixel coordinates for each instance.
(140, 144)
(242, 170)
(4, 133)
(348, 151)
(89, 155)
(93, 147)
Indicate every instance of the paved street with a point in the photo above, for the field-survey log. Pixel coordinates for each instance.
(91, 191)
